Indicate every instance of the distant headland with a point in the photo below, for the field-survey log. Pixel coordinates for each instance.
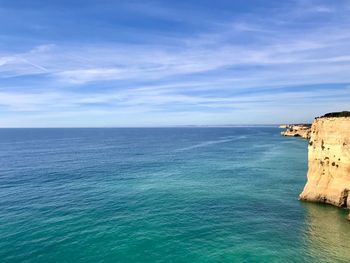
(296, 130)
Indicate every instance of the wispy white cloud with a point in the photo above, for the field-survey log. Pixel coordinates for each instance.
(240, 64)
(85, 64)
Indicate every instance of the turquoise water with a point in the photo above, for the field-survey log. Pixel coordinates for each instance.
(161, 195)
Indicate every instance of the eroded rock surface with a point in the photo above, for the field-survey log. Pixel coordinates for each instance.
(328, 178)
(296, 130)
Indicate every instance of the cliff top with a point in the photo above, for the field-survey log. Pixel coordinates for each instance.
(336, 114)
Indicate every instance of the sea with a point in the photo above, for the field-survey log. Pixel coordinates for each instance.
(184, 194)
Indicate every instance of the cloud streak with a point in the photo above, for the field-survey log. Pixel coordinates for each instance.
(252, 61)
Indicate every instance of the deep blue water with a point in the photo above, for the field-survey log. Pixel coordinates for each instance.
(161, 195)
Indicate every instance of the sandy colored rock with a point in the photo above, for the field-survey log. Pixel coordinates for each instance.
(328, 178)
(297, 130)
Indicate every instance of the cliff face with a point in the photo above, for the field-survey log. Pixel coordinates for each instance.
(297, 130)
(328, 178)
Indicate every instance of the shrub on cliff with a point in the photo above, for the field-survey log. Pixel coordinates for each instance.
(336, 114)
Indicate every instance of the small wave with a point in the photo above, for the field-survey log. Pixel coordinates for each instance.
(207, 143)
(234, 137)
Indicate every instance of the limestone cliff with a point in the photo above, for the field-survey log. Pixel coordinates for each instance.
(297, 130)
(328, 178)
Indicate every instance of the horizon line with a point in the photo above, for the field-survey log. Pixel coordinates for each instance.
(138, 127)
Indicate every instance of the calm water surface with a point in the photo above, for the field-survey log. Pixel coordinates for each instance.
(161, 195)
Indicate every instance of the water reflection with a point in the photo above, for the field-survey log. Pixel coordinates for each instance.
(327, 233)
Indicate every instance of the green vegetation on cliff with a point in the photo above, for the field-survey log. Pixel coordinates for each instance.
(336, 114)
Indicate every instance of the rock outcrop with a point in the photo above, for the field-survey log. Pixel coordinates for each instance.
(328, 178)
(297, 130)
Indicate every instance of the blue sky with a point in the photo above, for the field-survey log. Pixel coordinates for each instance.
(159, 63)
